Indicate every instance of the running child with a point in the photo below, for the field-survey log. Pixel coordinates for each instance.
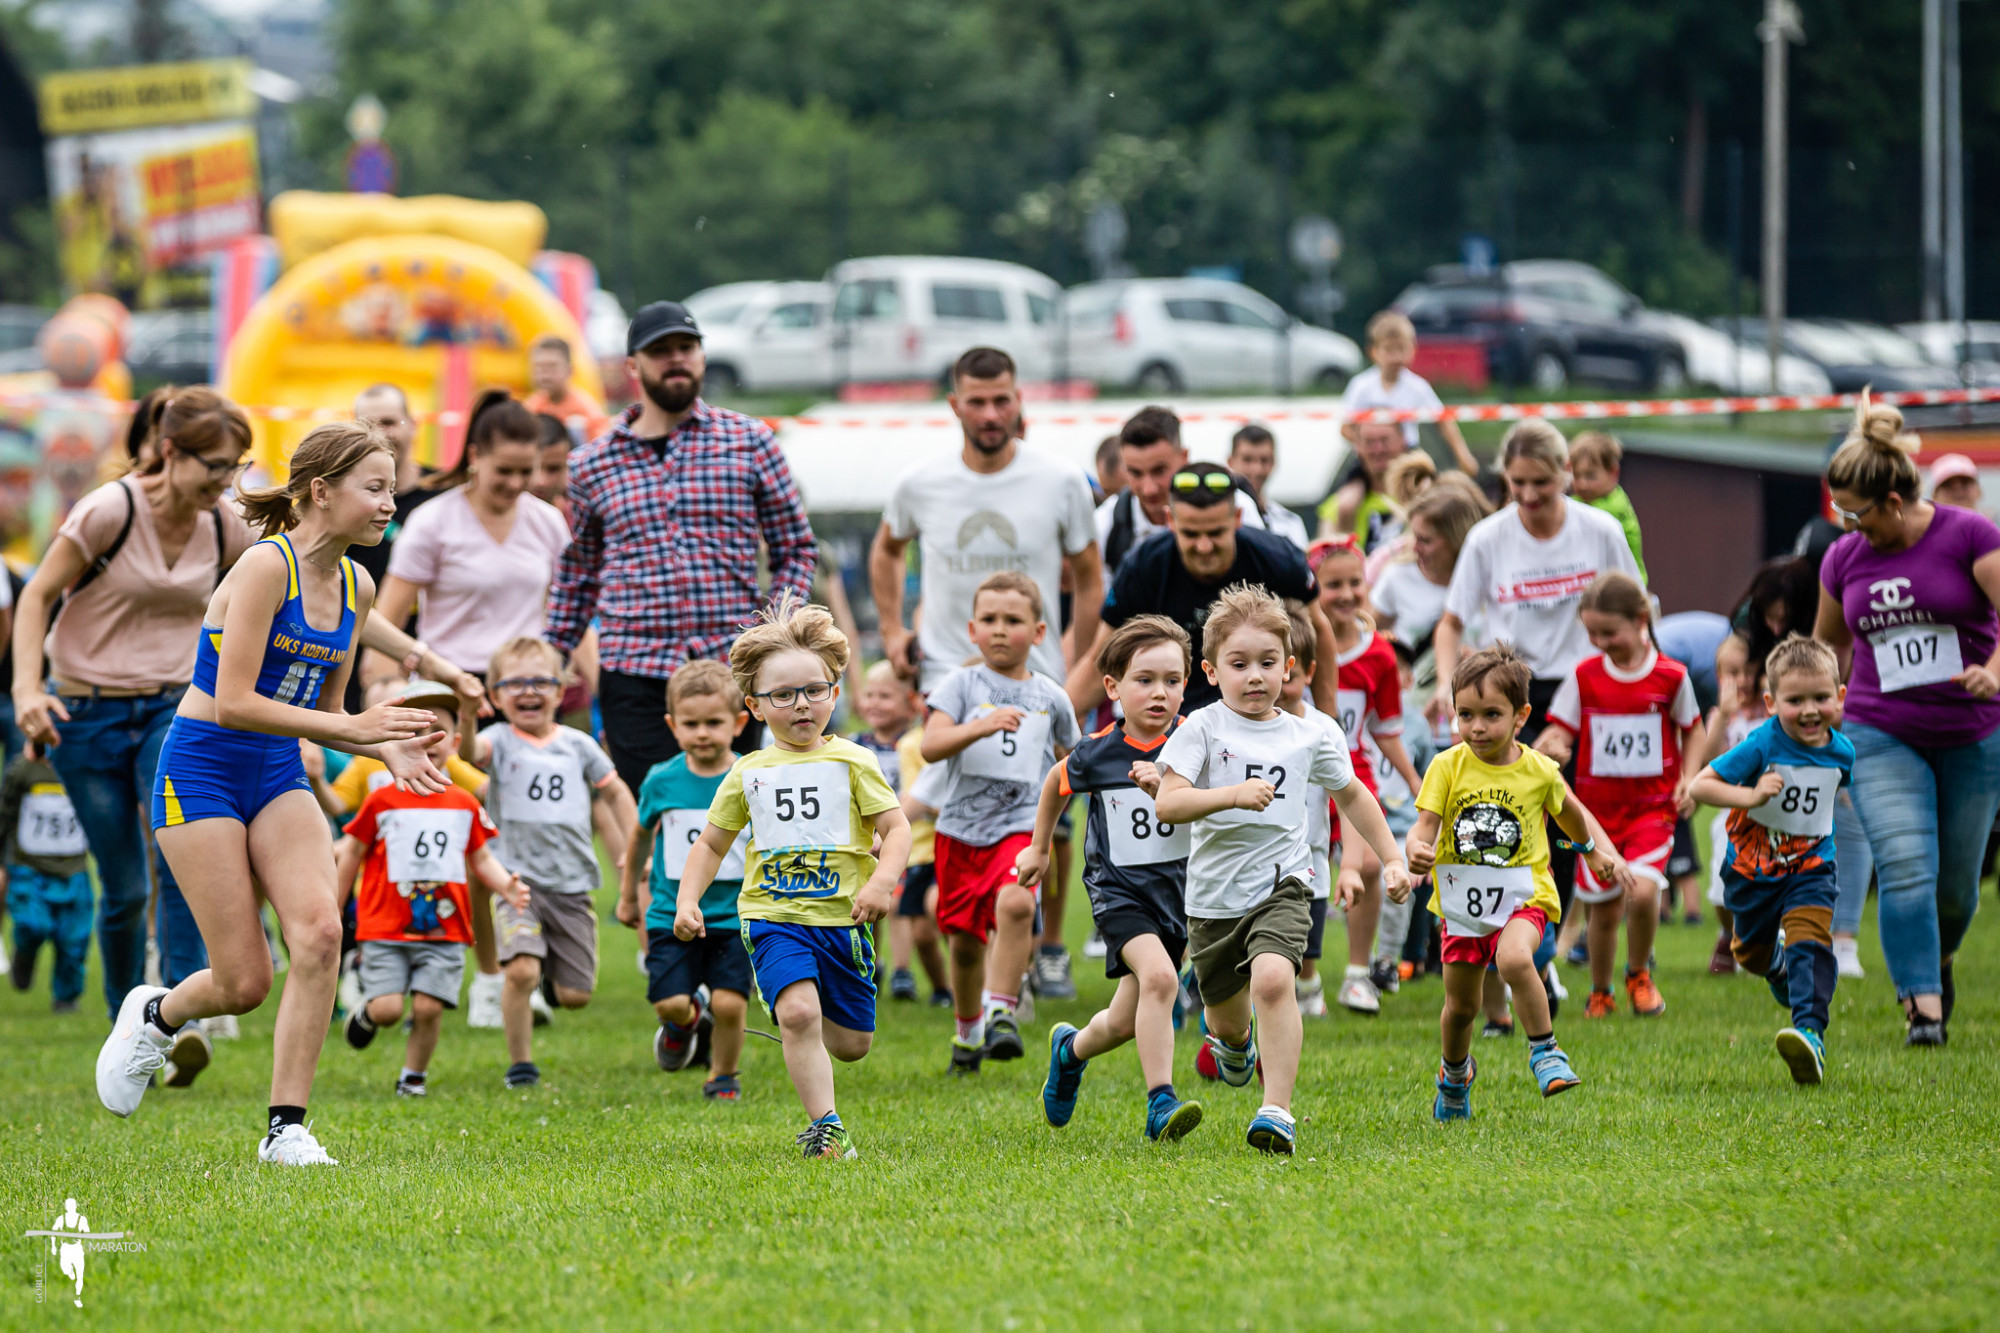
(814, 805)
(1134, 869)
(1001, 726)
(46, 888)
(1371, 716)
(1738, 709)
(551, 784)
(1481, 836)
(1635, 711)
(1238, 771)
(413, 915)
(1595, 460)
(1779, 787)
(705, 713)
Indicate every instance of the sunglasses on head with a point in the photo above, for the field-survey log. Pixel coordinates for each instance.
(1215, 483)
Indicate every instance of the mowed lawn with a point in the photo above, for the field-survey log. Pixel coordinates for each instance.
(1688, 1183)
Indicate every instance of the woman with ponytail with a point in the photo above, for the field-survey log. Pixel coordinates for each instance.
(477, 562)
(1908, 599)
(231, 808)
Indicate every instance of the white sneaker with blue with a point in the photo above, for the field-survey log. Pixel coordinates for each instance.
(1273, 1130)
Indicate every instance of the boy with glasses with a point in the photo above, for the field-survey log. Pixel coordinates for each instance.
(550, 784)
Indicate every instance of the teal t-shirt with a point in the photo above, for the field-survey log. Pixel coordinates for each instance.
(674, 803)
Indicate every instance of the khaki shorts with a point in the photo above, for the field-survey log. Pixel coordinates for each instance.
(558, 928)
(1221, 948)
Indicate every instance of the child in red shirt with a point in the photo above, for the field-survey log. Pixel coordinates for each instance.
(413, 918)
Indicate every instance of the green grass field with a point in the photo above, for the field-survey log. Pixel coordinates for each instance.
(1687, 1183)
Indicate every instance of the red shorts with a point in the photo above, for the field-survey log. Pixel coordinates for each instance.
(1644, 838)
(1478, 950)
(969, 880)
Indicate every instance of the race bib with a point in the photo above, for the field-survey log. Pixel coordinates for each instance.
(1009, 756)
(1353, 706)
(1627, 745)
(680, 830)
(798, 807)
(1477, 900)
(1137, 836)
(48, 825)
(543, 787)
(1285, 770)
(1912, 655)
(425, 846)
(1804, 808)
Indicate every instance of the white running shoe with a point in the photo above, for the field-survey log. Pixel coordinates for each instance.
(1847, 959)
(1095, 947)
(538, 1005)
(135, 1048)
(1312, 998)
(642, 964)
(188, 1056)
(348, 994)
(482, 1005)
(293, 1145)
(223, 1027)
(1358, 993)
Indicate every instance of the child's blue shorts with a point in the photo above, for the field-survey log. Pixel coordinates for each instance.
(215, 772)
(839, 959)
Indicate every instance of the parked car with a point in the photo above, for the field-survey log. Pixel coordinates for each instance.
(1164, 335)
(1856, 356)
(1546, 322)
(909, 317)
(1716, 358)
(1975, 343)
(765, 335)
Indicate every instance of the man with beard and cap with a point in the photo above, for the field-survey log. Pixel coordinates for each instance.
(666, 509)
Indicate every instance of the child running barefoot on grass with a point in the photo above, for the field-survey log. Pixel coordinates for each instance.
(1481, 835)
(1779, 786)
(1134, 868)
(705, 714)
(1239, 771)
(411, 851)
(1634, 710)
(811, 890)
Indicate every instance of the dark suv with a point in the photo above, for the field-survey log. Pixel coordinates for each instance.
(1546, 322)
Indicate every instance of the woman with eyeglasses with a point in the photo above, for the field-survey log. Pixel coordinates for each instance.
(1908, 599)
(477, 562)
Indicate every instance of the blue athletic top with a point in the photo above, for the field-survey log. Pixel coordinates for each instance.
(298, 657)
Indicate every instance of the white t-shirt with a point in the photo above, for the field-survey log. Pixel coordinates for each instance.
(1410, 391)
(1239, 856)
(1028, 516)
(1415, 602)
(1528, 590)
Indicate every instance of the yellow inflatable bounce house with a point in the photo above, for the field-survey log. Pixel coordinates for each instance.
(430, 294)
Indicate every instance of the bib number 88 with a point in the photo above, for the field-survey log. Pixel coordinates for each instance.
(1143, 826)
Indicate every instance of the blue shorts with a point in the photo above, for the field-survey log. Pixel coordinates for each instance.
(839, 959)
(215, 772)
(675, 966)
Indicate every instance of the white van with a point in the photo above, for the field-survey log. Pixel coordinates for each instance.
(909, 317)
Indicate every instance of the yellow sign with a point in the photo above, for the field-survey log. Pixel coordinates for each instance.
(134, 96)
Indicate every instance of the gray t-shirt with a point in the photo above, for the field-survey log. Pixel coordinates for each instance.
(540, 798)
(996, 781)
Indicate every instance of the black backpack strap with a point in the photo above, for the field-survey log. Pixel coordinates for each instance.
(1119, 544)
(96, 568)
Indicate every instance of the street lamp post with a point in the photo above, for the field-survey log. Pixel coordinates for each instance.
(1780, 28)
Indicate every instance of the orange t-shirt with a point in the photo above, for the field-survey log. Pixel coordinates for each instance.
(413, 878)
(577, 409)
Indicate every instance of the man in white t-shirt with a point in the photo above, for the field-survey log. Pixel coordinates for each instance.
(1149, 446)
(994, 505)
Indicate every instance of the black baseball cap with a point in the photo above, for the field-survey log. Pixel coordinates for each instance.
(656, 321)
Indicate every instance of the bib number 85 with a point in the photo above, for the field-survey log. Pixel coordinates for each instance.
(1799, 800)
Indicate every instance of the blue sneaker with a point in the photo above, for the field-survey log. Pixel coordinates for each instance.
(1232, 1066)
(1551, 1069)
(1170, 1118)
(1065, 1076)
(1268, 1133)
(1804, 1053)
(1454, 1100)
(1578, 955)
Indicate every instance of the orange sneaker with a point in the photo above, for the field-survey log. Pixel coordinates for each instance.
(1647, 1001)
(1600, 1005)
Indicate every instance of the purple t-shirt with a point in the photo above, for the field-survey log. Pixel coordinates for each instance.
(1890, 602)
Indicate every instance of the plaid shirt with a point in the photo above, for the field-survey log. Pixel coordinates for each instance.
(665, 550)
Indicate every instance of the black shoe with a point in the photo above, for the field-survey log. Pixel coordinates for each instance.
(410, 1085)
(1495, 1028)
(704, 1038)
(63, 1007)
(964, 1058)
(358, 1030)
(941, 998)
(523, 1075)
(1947, 992)
(902, 985)
(1003, 1039)
(1924, 1031)
(22, 969)
(1383, 973)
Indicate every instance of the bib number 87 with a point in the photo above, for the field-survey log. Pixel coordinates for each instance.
(1476, 904)
(1143, 826)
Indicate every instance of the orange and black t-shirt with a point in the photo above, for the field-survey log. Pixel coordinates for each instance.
(414, 874)
(1127, 852)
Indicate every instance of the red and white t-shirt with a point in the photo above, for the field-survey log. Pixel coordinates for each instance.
(1628, 730)
(413, 878)
(1370, 702)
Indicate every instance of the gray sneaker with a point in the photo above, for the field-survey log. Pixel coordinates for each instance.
(1052, 975)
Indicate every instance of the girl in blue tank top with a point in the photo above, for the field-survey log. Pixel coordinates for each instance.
(231, 805)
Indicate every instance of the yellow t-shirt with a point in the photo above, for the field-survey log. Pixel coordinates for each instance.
(811, 822)
(1492, 816)
(909, 763)
(363, 775)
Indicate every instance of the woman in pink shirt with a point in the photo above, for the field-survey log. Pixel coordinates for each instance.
(477, 562)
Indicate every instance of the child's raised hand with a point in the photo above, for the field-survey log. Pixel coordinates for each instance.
(1002, 719)
(688, 924)
(1422, 855)
(1147, 777)
(1396, 882)
(1255, 794)
(871, 904)
(1030, 866)
(1771, 784)
(516, 893)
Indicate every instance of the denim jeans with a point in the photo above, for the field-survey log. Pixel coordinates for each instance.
(109, 751)
(1926, 811)
(1853, 865)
